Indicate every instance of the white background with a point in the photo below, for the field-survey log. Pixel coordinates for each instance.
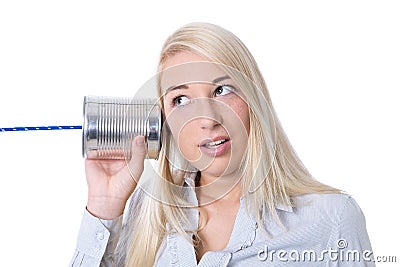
(332, 68)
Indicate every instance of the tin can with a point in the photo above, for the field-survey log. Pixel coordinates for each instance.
(111, 123)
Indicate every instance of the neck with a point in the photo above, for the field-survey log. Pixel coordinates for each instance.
(212, 189)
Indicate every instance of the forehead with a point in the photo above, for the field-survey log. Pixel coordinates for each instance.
(186, 68)
(183, 57)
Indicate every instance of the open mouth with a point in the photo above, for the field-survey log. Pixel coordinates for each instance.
(215, 144)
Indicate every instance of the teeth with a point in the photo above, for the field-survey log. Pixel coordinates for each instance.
(214, 144)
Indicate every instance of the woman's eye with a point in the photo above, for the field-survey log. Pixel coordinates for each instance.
(224, 90)
(180, 101)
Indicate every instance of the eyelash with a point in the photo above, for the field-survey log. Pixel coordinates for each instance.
(232, 89)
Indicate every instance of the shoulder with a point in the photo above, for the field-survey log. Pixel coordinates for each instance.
(324, 221)
(337, 216)
(320, 222)
(336, 202)
(337, 208)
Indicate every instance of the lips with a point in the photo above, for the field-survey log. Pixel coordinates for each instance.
(214, 142)
(215, 146)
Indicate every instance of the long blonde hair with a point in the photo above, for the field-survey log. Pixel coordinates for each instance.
(272, 172)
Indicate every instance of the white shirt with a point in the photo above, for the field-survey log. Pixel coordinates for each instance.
(320, 230)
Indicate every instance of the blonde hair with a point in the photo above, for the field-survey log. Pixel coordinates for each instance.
(272, 173)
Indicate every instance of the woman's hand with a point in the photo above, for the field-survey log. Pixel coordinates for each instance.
(111, 182)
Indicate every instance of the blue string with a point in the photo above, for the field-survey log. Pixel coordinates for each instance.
(40, 128)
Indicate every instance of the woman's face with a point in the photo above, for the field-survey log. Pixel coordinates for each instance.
(208, 117)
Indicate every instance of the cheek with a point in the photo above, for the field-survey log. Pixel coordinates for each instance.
(241, 109)
(177, 123)
(186, 144)
(184, 135)
(171, 119)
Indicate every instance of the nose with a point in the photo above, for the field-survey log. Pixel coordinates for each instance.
(207, 115)
(208, 124)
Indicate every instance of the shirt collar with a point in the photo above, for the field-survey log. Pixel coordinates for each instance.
(190, 181)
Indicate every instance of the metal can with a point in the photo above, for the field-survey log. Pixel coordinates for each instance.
(111, 123)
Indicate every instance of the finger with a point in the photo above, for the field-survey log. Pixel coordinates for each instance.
(136, 164)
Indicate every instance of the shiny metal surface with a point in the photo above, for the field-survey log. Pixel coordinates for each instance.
(111, 123)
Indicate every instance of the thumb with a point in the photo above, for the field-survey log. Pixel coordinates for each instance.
(136, 164)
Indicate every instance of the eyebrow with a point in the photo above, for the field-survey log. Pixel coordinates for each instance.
(184, 86)
(217, 80)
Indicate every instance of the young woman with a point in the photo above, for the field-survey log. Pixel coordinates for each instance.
(229, 189)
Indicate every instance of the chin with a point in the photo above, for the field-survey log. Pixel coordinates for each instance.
(218, 169)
